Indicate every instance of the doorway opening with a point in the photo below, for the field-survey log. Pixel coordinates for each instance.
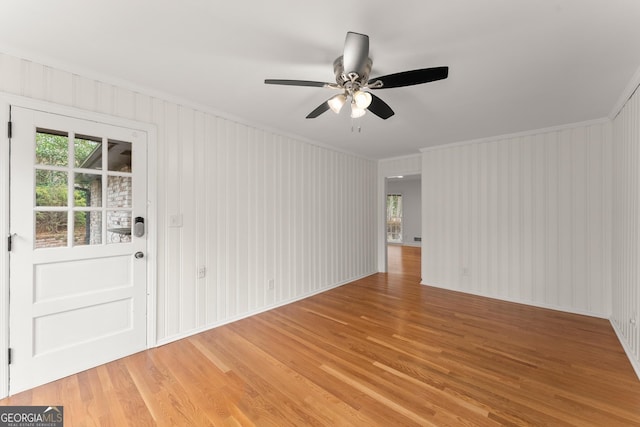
(403, 224)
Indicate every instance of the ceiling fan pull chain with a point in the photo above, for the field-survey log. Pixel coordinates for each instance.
(353, 120)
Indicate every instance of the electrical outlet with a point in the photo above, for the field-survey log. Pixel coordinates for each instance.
(271, 285)
(202, 271)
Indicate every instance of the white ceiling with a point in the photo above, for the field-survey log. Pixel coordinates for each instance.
(515, 65)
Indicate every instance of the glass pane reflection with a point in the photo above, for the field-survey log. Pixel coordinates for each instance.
(87, 228)
(118, 226)
(51, 229)
(52, 148)
(88, 152)
(51, 188)
(88, 190)
(119, 156)
(119, 192)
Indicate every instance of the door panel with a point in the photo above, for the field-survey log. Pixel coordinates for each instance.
(78, 294)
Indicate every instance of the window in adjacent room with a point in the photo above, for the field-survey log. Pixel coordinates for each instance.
(394, 218)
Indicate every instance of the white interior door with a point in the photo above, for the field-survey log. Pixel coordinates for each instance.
(77, 269)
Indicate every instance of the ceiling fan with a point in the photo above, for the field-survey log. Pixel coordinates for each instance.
(352, 77)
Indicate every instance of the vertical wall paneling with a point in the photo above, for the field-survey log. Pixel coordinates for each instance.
(242, 195)
(4, 259)
(607, 195)
(625, 241)
(199, 154)
(565, 165)
(580, 233)
(250, 229)
(84, 95)
(255, 206)
(209, 217)
(521, 218)
(104, 102)
(36, 86)
(173, 294)
(514, 230)
(222, 226)
(186, 188)
(11, 75)
(552, 271)
(539, 223)
(59, 87)
(526, 219)
(502, 217)
(157, 114)
(142, 106)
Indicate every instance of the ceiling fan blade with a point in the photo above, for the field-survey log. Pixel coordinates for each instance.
(380, 108)
(356, 53)
(296, 83)
(410, 78)
(321, 109)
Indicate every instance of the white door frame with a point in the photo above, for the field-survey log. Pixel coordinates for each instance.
(6, 100)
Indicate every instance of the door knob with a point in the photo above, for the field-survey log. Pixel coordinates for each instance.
(139, 255)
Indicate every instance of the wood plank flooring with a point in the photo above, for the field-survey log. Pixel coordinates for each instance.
(381, 351)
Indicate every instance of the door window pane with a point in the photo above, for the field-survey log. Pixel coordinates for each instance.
(51, 229)
(51, 188)
(118, 226)
(88, 152)
(119, 192)
(119, 156)
(88, 190)
(87, 228)
(87, 212)
(52, 148)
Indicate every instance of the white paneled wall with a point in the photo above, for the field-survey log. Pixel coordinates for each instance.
(524, 218)
(626, 228)
(255, 205)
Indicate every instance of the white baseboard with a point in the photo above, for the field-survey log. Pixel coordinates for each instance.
(529, 303)
(634, 362)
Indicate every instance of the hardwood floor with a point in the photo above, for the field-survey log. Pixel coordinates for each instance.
(381, 351)
(404, 260)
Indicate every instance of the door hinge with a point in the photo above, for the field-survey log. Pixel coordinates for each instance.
(9, 242)
(9, 130)
(9, 358)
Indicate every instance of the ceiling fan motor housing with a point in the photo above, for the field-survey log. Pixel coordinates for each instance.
(355, 80)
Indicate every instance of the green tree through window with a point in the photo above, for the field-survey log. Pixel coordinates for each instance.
(52, 150)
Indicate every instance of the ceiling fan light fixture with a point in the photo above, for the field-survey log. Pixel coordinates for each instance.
(337, 102)
(362, 99)
(356, 111)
